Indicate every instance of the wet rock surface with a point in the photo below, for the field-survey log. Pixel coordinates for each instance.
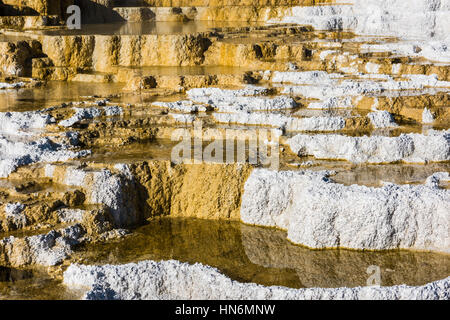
(326, 119)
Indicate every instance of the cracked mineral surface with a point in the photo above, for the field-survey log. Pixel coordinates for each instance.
(225, 149)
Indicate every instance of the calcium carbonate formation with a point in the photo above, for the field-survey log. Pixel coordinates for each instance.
(320, 213)
(152, 280)
(354, 94)
(413, 147)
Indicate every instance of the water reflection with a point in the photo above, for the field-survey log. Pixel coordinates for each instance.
(264, 256)
(339, 268)
(54, 93)
(37, 285)
(244, 253)
(13, 275)
(57, 92)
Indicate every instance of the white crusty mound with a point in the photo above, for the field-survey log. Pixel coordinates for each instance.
(182, 106)
(18, 123)
(283, 122)
(319, 213)
(425, 21)
(382, 119)
(335, 91)
(250, 98)
(116, 191)
(17, 85)
(168, 280)
(319, 85)
(411, 148)
(306, 77)
(408, 19)
(48, 249)
(90, 113)
(21, 141)
(14, 154)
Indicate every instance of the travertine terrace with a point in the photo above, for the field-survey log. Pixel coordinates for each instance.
(326, 121)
